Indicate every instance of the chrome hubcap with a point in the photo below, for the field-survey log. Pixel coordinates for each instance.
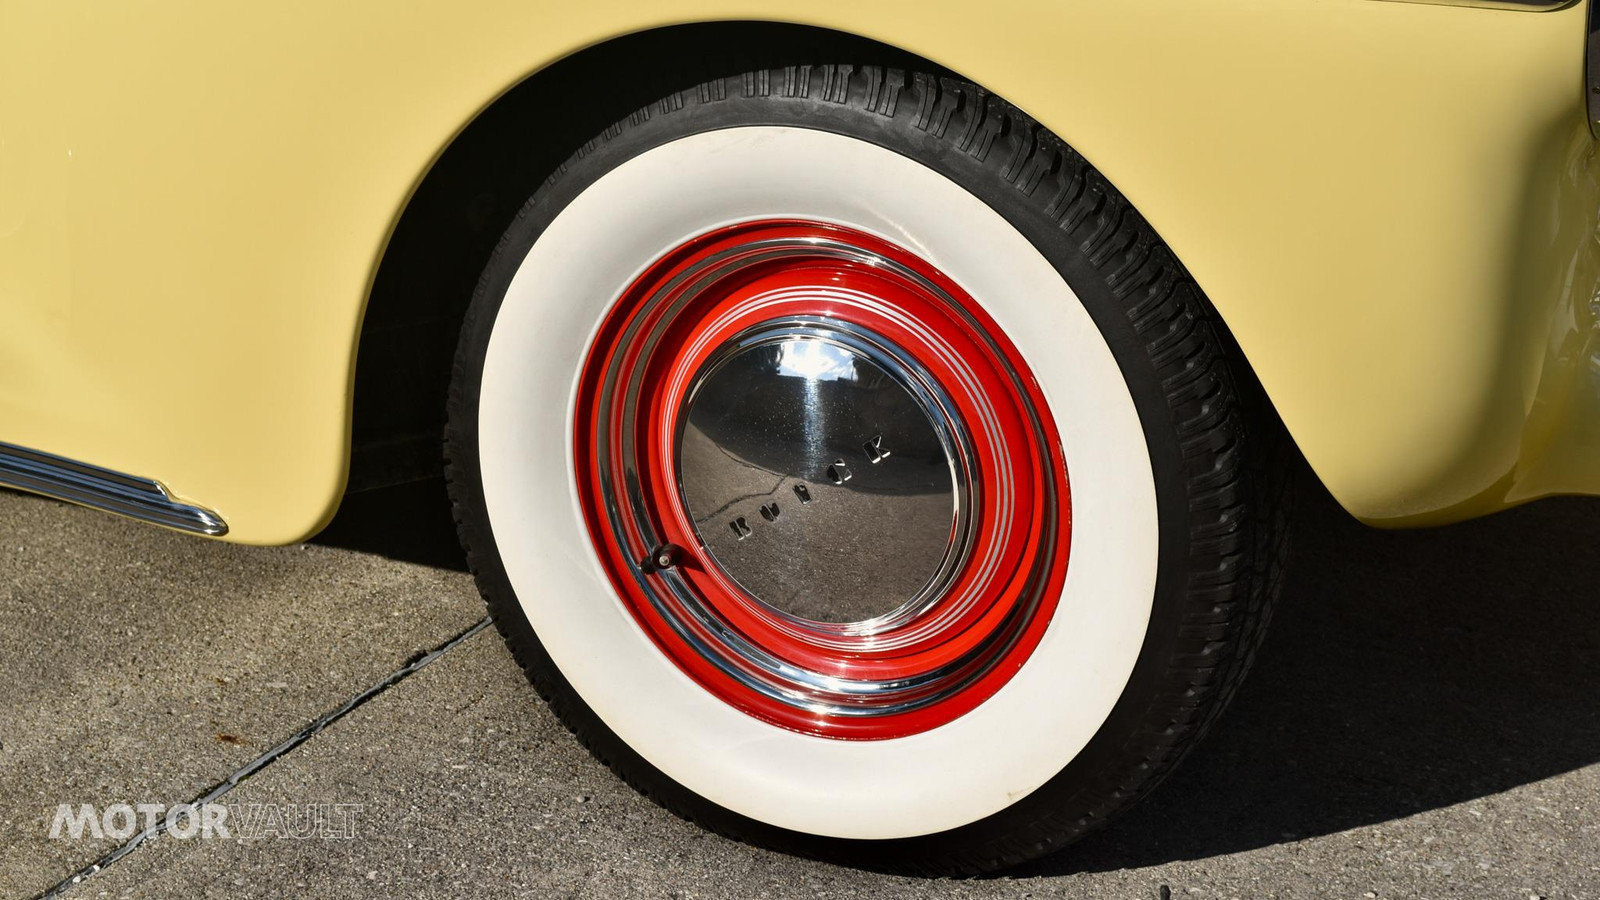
(825, 473)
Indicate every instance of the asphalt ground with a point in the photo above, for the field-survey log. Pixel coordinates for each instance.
(1423, 721)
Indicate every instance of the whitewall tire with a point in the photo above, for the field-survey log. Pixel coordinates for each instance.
(671, 427)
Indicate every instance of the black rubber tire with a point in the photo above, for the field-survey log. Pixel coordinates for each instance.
(1218, 454)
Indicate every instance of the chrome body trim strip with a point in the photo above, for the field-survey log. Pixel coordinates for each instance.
(76, 482)
(1522, 5)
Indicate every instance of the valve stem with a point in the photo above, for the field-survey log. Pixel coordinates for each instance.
(663, 557)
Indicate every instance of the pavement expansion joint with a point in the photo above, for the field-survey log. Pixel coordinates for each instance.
(240, 775)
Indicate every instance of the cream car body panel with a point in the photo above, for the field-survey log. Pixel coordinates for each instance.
(1393, 206)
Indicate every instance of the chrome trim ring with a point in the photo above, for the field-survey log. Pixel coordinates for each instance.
(981, 583)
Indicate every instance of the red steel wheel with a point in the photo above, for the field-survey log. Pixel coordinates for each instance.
(784, 394)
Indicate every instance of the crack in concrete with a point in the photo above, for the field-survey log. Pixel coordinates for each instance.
(240, 775)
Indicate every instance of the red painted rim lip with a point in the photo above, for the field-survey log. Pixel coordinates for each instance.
(994, 612)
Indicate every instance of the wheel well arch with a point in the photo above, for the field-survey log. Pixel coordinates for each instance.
(468, 197)
(453, 220)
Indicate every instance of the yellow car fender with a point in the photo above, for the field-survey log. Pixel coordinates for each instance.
(1392, 205)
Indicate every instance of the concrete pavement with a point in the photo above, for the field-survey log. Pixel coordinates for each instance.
(1424, 721)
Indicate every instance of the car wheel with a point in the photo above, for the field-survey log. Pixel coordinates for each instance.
(856, 473)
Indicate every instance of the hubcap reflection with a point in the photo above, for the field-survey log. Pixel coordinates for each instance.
(853, 479)
(848, 461)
